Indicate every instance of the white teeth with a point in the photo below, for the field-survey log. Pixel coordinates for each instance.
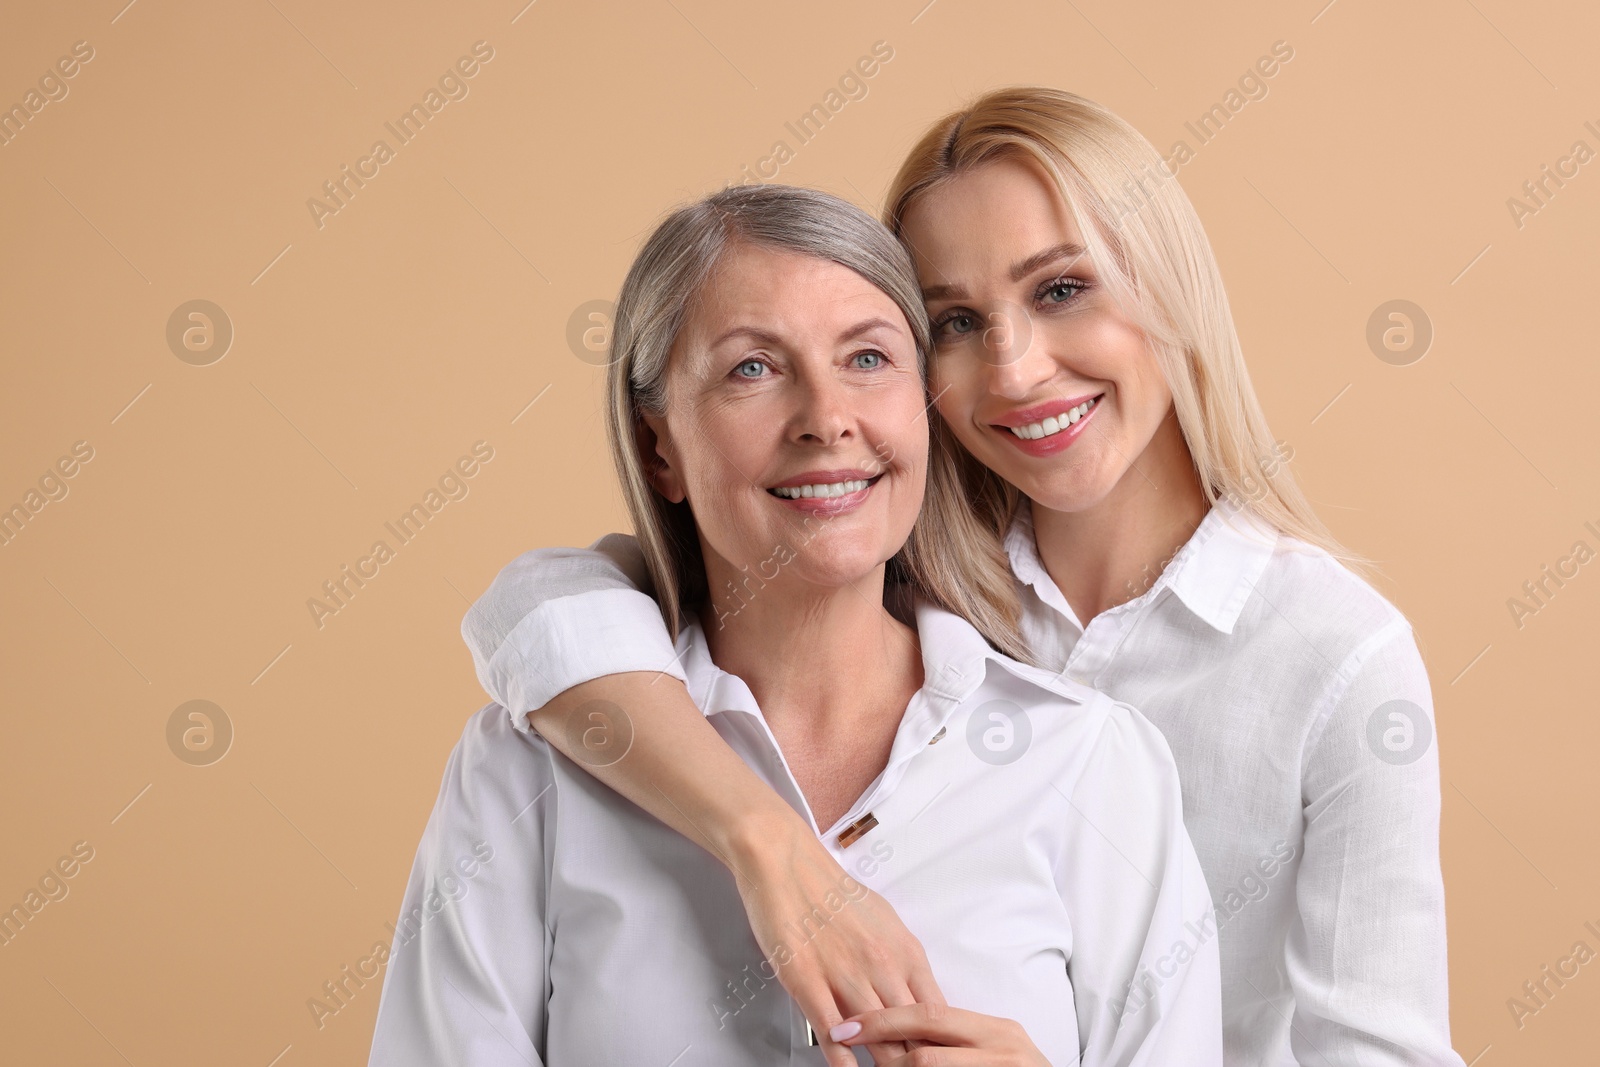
(1053, 424)
(827, 489)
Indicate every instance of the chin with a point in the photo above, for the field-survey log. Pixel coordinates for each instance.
(1071, 493)
(836, 569)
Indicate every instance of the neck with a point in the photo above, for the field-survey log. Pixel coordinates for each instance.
(818, 660)
(1109, 553)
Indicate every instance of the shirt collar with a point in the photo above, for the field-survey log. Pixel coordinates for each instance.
(1213, 574)
(955, 659)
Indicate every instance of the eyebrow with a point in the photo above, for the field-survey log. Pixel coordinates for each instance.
(1019, 270)
(767, 337)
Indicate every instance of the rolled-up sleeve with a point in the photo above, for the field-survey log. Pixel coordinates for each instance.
(558, 617)
(1146, 972)
(467, 974)
(1367, 958)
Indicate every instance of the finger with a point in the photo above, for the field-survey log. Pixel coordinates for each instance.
(894, 994)
(954, 1057)
(856, 999)
(924, 989)
(822, 1012)
(936, 1023)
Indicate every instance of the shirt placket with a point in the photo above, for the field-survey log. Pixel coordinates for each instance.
(1094, 650)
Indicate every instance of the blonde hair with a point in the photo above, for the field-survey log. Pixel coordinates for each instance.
(1146, 242)
(677, 262)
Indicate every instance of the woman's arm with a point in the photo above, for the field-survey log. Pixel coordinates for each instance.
(465, 981)
(571, 644)
(1367, 961)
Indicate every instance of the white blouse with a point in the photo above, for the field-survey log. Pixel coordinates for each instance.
(1028, 830)
(1297, 708)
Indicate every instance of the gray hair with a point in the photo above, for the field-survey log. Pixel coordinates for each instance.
(673, 268)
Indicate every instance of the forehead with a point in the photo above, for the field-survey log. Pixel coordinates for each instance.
(981, 222)
(784, 293)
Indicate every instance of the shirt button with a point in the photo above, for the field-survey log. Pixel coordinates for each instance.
(937, 737)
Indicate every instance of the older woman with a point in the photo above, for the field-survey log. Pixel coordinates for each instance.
(767, 419)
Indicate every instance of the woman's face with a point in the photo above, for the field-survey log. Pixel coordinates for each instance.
(1040, 375)
(795, 421)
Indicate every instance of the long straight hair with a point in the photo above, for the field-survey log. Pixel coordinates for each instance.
(1145, 240)
(677, 262)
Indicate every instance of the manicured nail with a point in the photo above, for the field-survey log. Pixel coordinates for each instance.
(845, 1031)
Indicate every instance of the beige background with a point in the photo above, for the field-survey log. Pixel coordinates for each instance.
(433, 309)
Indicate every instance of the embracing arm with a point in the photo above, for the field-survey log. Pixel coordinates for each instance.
(1367, 959)
(570, 642)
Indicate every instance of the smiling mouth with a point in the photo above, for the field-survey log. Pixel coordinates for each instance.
(1054, 424)
(823, 490)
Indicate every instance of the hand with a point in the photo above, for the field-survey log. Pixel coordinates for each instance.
(954, 1038)
(853, 955)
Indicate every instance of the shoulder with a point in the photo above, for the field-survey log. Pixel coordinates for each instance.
(1077, 720)
(1112, 734)
(1355, 650)
(488, 737)
(494, 767)
(1319, 606)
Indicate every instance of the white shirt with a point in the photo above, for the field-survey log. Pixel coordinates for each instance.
(1311, 799)
(1042, 864)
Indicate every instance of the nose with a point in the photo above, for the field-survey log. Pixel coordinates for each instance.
(824, 413)
(1016, 365)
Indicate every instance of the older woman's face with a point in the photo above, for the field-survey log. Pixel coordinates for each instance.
(795, 423)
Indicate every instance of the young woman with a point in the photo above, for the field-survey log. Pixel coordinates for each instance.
(1029, 828)
(1087, 366)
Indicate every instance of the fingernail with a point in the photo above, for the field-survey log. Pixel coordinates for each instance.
(845, 1031)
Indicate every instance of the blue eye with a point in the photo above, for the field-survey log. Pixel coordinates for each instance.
(875, 358)
(1061, 291)
(955, 322)
(750, 368)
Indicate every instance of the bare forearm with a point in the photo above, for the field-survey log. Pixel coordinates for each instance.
(642, 736)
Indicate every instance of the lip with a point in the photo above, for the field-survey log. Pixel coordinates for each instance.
(1056, 442)
(831, 505)
(847, 474)
(1040, 412)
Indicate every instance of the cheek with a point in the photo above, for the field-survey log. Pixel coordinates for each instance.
(1152, 396)
(1116, 351)
(955, 388)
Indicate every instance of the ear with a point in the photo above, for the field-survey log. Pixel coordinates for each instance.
(660, 459)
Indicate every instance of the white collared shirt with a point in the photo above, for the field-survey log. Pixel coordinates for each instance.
(1029, 832)
(1297, 708)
